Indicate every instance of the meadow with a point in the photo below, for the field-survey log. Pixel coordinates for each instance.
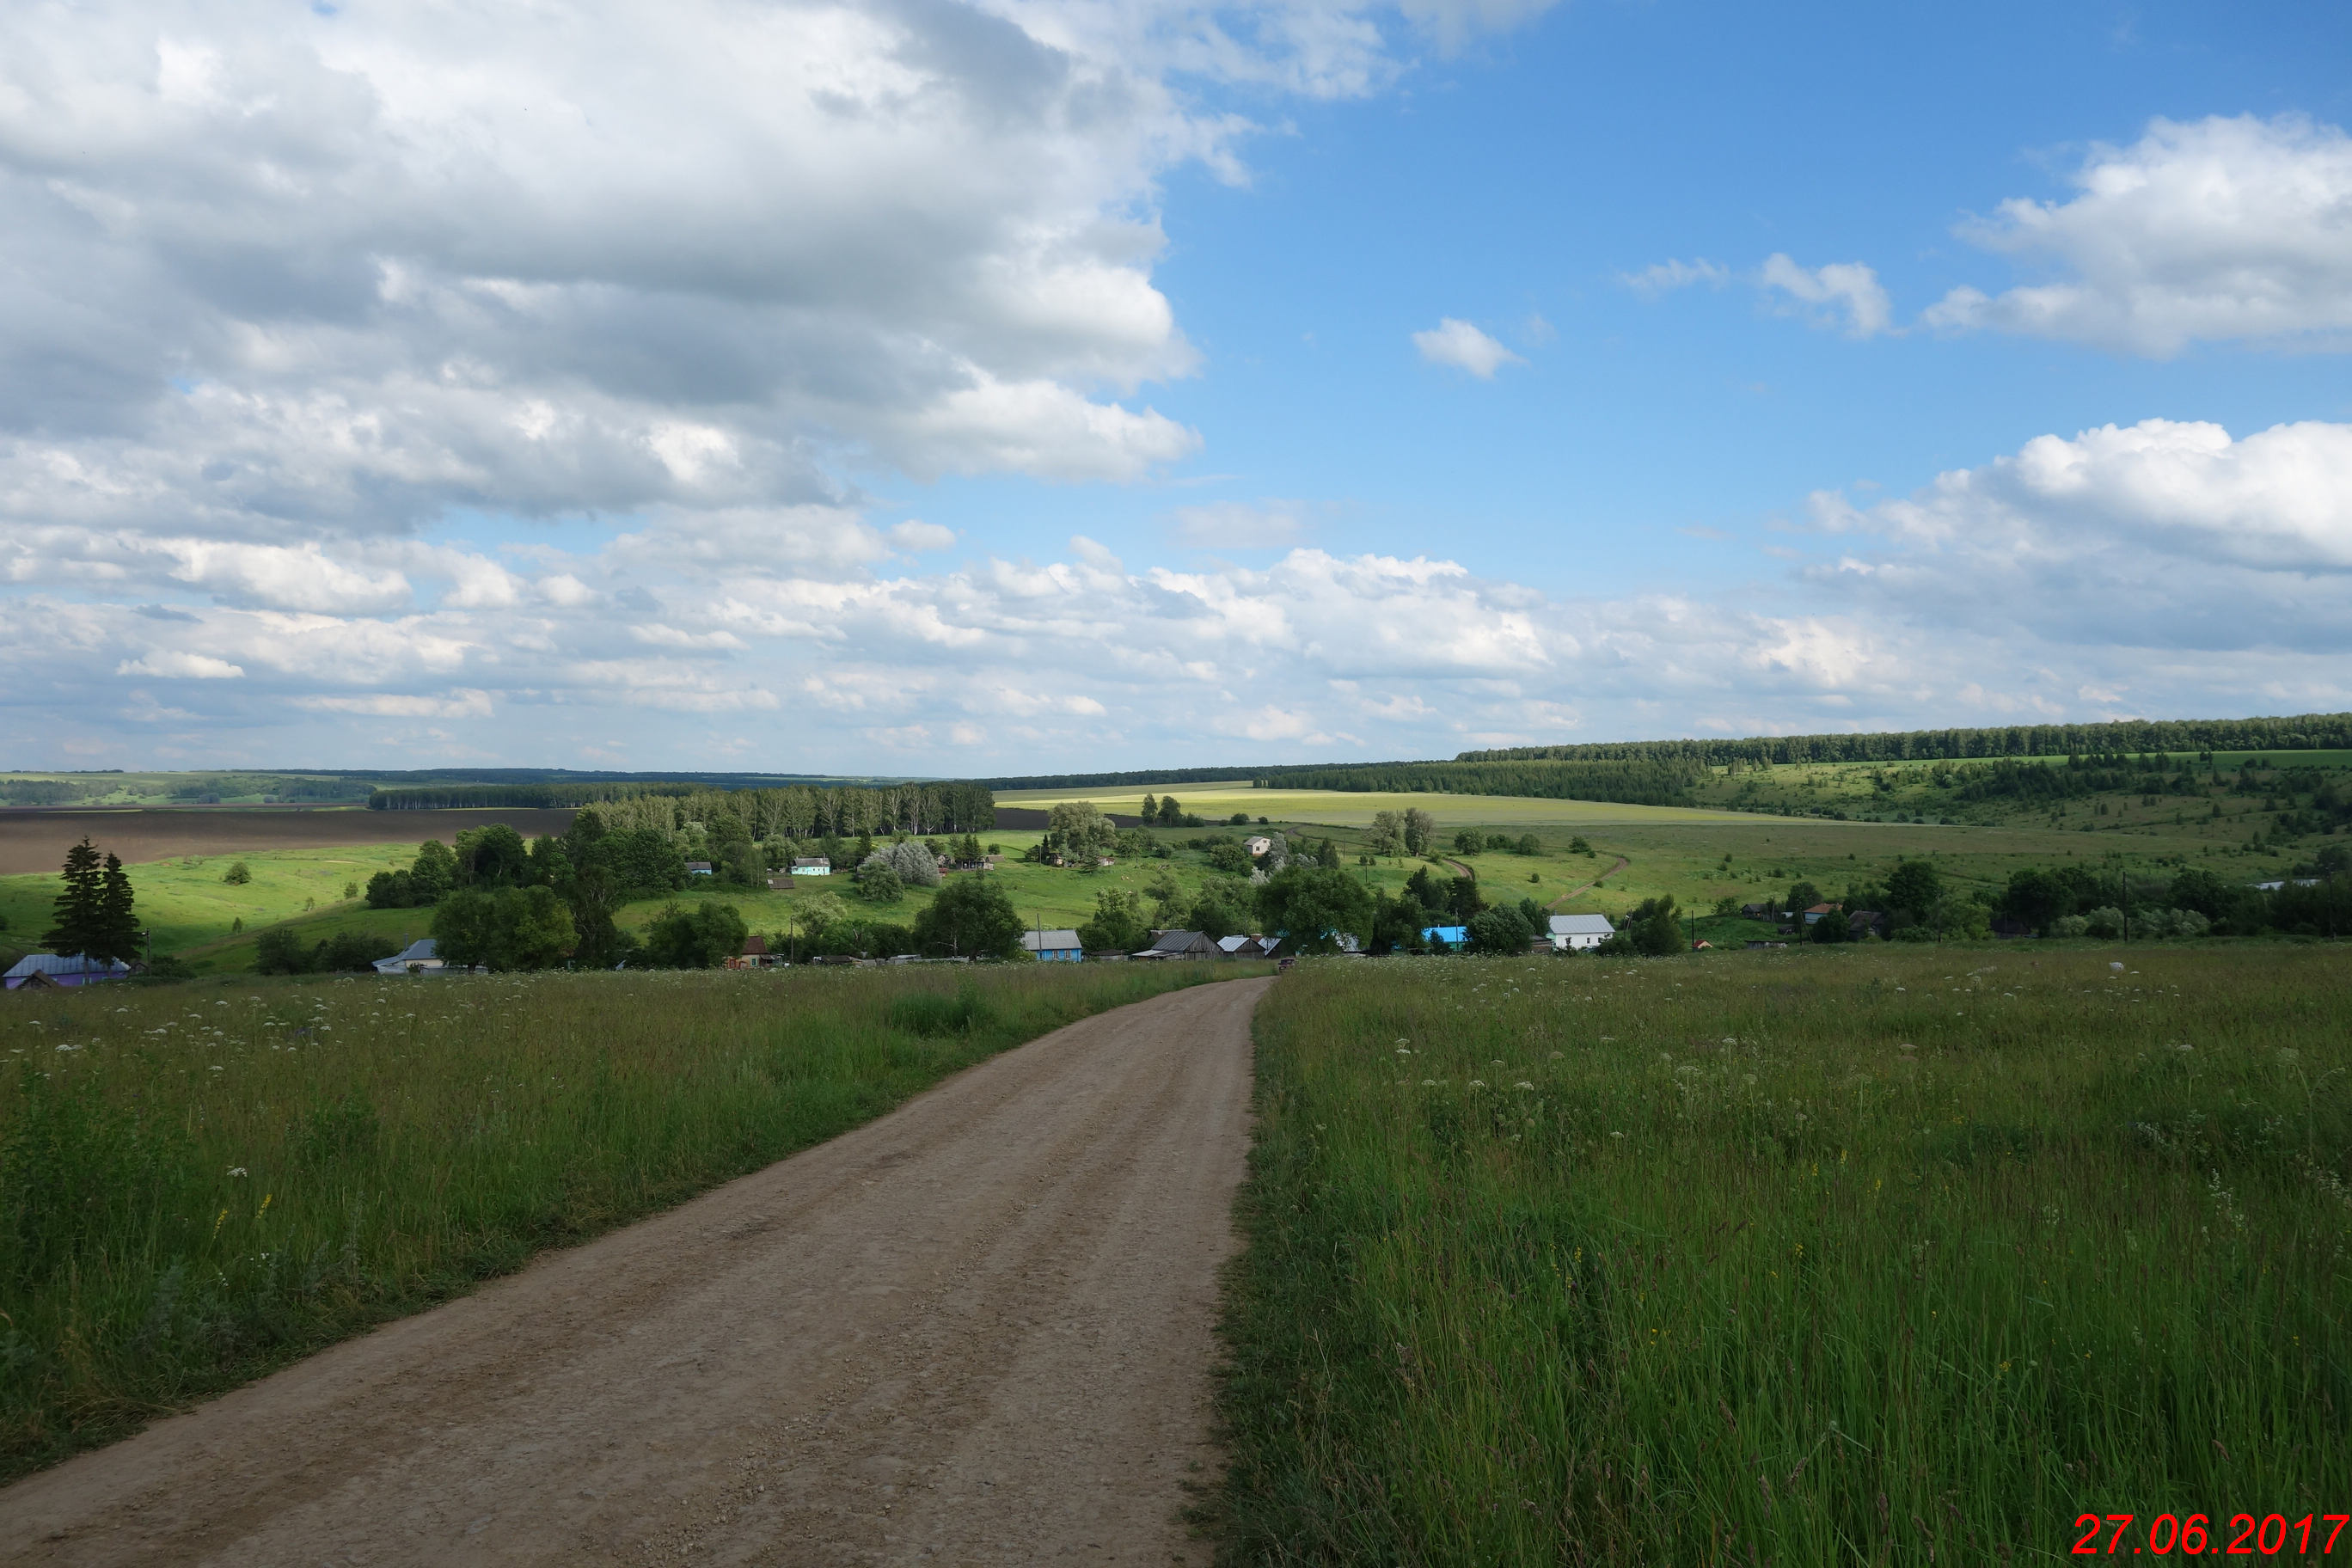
(201, 1182)
(1347, 808)
(1875, 1255)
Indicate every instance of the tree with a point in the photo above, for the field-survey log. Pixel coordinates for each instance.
(434, 873)
(1220, 911)
(75, 915)
(1469, 841)
(1385, 837)
(701, 938)
(877, 881)
(915, 865)
(1577, 845)
(1311, 907)
(1171, 814)
(1327, 853)
(1150, 812)
(1499, 931)
(971, 918)
(491, 855)
(1654, 928)
(1083, 828)
(237, 875)
(503, 928)
(1913, 887)
(1420, 831)
(1802, 896)
(1167, 896)
(117, 934)
(1117, 925)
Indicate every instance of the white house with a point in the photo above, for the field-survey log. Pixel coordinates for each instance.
(420, 957)
(811, 865)
(1258, 845)
(1574, 933)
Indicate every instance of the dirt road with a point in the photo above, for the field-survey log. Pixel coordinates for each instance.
(977, 1330)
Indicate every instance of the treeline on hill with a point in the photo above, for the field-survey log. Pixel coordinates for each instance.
(1633, 782)
(1913, 903)
(792, 811)
(2308, 732)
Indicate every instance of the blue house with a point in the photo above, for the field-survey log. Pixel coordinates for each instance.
(1452, 936)
(1054, 946)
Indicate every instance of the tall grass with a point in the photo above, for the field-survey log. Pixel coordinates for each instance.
(1873, 1255)
(200, 1182)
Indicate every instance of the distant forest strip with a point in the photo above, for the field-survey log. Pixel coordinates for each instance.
(1252, 770)
(2302, 732)
(1638, 782)
(794, 811)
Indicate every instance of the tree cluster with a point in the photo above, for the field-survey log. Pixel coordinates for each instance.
(2308, 732)
(93, 913)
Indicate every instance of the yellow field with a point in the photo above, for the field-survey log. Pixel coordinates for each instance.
(1342, 808)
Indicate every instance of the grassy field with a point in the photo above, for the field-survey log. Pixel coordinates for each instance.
(1344, 808)
(201, 1182)
(1875, 1256)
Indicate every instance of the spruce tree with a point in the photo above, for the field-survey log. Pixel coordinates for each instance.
(117, 935)
(75, 910)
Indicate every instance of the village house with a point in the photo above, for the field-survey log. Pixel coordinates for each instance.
(1575, 933)
(1054, 946)
(1180, 944)
(419, 957)
(811, 865)
(43, 970)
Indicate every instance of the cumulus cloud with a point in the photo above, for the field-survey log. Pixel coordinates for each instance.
(1844, 293)
(1460, 344)
(1665, 276)
(2216, 229)
(2162, 533)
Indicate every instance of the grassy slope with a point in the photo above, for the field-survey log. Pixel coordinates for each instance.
(1812, 1257)
(200, 1182)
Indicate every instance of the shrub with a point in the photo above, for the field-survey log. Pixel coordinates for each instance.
(702, 937)
(237, 875)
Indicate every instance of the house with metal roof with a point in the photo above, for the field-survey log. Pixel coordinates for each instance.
(1054, 946)
(1449, 936)
(419, 957)
(1180, 944)
(811, 865)
(44, 969)
(1574, 933)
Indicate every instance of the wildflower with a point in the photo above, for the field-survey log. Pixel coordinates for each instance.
(1429, 1083)
(1523, 1084)
(237, 1170)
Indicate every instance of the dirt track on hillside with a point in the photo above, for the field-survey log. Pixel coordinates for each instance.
(36, 838)
(977, 1330)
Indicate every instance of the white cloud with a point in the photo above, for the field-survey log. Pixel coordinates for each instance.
(2210, 230)
(1460, 344)
(1665, 276)
(1846, 289)
(173, 664)
(2163, 533)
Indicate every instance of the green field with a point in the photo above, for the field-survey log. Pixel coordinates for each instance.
(201, 1182)
(184, 902)
(1346, 808)
(1877, 1255)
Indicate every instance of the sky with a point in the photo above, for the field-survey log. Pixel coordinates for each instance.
(917, 387)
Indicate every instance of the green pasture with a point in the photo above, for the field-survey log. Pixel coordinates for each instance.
(1343, 808)
(1878, 1254)
(184, 902)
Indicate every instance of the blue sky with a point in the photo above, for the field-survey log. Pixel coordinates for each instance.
(945, 389)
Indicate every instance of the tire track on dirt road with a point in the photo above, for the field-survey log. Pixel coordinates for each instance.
(977, 1330)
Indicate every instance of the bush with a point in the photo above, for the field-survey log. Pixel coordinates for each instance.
(237, 875)
(877, 881)
(510, 928)
(702, 937)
